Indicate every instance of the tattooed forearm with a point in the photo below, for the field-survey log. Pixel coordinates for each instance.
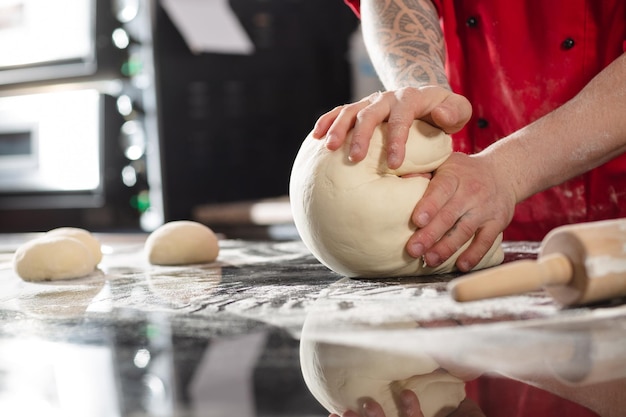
(405, 42)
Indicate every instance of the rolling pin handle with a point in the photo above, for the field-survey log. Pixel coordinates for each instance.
(514, 278)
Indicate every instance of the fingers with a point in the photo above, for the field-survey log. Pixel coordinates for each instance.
(324, 122)
(398, 124)
(372, 409)
(452, 114)
(444, 236)
(361, 117)
(461, 204)
(438, 106)
(468, 408)
(400, 108)
(439, 192)
(477, 249)
(409, 404)
(447, 233)
(373, 111)
(369, 408)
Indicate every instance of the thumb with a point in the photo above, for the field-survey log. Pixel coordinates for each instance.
(452, 113)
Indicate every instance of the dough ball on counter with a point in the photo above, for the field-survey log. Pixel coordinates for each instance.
(182, 242)
(356, 217)
(89, 240)
(53, 258)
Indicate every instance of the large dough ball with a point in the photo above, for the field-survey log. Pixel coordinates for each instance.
(355, 217)
(182, 242)
(89, 240)
(53, 258)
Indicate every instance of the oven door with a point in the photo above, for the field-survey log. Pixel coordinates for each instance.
(51, 147)
(44, 40)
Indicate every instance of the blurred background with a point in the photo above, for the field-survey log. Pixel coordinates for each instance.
(120, 115)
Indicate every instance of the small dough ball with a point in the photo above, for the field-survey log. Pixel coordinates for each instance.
(53, 258)
(92, 243)
(182, 242)
(356, 217)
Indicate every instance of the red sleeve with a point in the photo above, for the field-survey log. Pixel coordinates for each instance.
(355, 5)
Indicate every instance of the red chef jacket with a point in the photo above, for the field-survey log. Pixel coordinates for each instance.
(518, 60)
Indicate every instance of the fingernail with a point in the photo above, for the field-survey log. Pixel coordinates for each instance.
(330, 138)
(417, 250)
(368, 409)
(354, 149)
(464, 266)
(406, 401)
(393, 160)
(422, 219)
(432, 259)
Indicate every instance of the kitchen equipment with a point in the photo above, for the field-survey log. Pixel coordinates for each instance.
(44, 40)
(577, 264)
(79, 139)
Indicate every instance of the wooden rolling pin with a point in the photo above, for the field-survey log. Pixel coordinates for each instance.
(577, 264)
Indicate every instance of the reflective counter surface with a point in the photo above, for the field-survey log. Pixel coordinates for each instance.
(223, 339)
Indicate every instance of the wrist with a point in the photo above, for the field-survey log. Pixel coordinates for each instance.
(507, 174)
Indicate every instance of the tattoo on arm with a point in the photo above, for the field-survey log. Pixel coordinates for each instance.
(409, 43)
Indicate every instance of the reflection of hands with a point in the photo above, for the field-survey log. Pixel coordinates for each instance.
(467, 196)
(409, 406)
(435, 105)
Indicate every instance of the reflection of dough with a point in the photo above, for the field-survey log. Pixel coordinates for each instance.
(339, 377)
(355, 218)
(61, 300)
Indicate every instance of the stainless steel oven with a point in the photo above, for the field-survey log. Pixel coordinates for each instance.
(67, 157)
(43, 40)
(78, 115)
(51, 145)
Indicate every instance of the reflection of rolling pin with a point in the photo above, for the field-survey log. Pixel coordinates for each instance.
(577, 264)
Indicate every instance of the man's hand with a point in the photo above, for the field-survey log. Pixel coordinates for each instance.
(467, 196)
(435, 105)
(409, 406)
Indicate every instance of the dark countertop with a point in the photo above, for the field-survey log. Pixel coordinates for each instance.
(222, 339)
